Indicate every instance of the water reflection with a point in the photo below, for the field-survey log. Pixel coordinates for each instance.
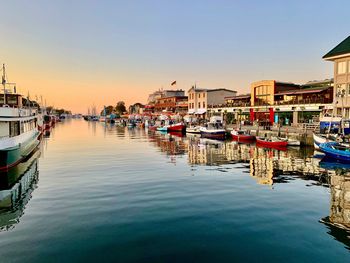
(269, 167)
(338, 221)
(16, 187)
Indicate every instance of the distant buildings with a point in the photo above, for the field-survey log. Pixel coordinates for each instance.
(200, 100)
(136, 108)
(173, 101)
(340, 55)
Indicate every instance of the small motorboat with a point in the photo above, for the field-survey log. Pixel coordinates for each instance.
(336, 151)
(193, 129)
(271, 142)
(212, 131)
(162, 129)
(242, 136)
(178, 127)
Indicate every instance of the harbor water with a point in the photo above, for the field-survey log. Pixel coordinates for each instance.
(101, 193)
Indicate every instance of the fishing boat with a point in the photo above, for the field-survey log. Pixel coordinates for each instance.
(242, 136)
(18, 128)
(193, 129)
(178, 127)
(271, 142)
(213, 131)
(336, 151)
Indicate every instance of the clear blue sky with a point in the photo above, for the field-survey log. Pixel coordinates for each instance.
(126, 49)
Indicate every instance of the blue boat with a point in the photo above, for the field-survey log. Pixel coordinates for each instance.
(336, 151)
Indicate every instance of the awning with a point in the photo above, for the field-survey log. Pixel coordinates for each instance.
(190, 111)
(296, 92)
(201, 111)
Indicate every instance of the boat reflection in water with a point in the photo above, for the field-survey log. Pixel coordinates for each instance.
(16, 186)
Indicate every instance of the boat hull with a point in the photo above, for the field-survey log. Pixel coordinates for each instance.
(177, 128)
(267, 144)
(218, 135)
(12, 156)
(335, 154)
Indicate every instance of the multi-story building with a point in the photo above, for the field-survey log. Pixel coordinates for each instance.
(200, 100)
(340, 55)
(272, 101)
(152, 98)
(175, 104)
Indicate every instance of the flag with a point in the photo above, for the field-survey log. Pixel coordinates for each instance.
(173, 83)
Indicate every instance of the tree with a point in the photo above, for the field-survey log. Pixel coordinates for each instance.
(120, 108)
(109, 110)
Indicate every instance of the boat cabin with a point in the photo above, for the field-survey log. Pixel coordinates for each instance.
(11, 100)
(11, 127)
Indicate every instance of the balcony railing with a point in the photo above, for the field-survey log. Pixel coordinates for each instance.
(305, 101)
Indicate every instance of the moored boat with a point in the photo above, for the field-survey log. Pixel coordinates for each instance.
(336, 151)
(163, 128)
(18, 128)
(178, 127)
(271, 142)
(194, 129)
(242, 136)
(213, 131)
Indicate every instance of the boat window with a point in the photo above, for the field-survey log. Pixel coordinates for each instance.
(14, 128)
(4, 129)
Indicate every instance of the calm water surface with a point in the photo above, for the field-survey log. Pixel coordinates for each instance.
(96, 193)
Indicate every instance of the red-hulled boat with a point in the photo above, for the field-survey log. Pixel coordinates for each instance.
(178, 127)
(271, 143)
(242, 136)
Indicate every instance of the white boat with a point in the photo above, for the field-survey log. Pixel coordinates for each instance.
(18, 128)
(193, 129)
(213, 131)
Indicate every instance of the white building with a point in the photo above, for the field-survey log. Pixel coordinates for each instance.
(200, 100)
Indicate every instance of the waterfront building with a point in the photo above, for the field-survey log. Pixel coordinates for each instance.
(152, 98)
(340, 55)
(272, 101)
(174, 104)
(200, 100)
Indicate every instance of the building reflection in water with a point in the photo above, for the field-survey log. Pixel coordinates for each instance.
(338, 221)
(170, 144)
(16, 187)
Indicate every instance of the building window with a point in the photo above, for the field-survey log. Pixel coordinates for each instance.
(341, 67)
(341, 90)
(199, 95)
(199, 104)
(203, 95)
(203, 104)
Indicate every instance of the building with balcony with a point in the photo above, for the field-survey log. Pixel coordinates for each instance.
(272, 101)
(175, 104)
(200, 100)
(340, 55)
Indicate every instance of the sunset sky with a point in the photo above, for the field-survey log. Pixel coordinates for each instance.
(79, 53)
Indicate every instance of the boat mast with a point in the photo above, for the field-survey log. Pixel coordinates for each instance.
(4, 82)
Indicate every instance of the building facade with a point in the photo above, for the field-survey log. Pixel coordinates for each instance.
(285, 103)
(202, 100)
(340, 55)
(175, 104)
